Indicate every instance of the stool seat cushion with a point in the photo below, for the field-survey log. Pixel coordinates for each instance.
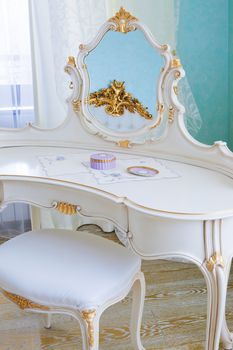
(66, 268)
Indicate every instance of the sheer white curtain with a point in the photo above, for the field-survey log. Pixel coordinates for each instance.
(15, 52)
(57, 29)
(16, 98)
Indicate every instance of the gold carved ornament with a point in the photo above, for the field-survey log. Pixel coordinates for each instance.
(175, 89)
(175, 63)
(122, 19)
(76, 103)
(66, 208)
(71, 61)
(160, 109)
(24, 303)
(88, 316)
(124, 143)
(117, 100)
(215, 260)
(171, 113)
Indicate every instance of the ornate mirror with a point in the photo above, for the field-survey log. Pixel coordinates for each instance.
(123, 72)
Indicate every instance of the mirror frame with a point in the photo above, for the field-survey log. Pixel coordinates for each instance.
(124, 22)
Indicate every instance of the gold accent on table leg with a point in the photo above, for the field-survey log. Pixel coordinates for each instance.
(117, 100)
(124, 143)
(88, 316)
(121, 20)
(215, 260)
(71, 61)
(24, 303)
(66, 208)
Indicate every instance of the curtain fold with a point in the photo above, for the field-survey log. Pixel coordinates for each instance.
(16, 100)
(57, 30)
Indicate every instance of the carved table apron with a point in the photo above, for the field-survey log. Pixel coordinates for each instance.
(189, 216)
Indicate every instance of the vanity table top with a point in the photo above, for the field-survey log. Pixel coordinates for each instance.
(189, 190)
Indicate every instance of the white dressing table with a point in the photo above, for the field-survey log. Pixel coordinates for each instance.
(189, 216)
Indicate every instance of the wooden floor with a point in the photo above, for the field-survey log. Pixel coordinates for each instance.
(174, 316)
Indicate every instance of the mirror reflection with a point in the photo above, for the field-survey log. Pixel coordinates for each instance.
(123, 73)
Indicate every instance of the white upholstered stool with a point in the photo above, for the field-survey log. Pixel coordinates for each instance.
(75, 273)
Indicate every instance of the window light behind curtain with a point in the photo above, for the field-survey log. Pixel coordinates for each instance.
(16, 93)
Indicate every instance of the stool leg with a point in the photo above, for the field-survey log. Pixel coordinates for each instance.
(89, 323)
(137, 311)
(48, 321)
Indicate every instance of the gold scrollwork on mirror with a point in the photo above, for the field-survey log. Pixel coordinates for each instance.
(122, 19)
(117, 100)
(124, 110)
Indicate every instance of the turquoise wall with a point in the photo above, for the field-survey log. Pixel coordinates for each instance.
(203, 49)
(230, 66)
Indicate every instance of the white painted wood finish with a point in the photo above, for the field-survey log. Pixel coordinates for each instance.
(188, 217)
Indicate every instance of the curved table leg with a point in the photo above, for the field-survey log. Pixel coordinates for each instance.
(226, 335)
(217, 289)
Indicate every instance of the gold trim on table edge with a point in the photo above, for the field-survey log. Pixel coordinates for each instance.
(117, 100)
(121, 20)
(88, 316)
(22, 302)
(123, 199)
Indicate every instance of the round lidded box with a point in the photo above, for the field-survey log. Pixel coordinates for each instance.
(103, 161)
